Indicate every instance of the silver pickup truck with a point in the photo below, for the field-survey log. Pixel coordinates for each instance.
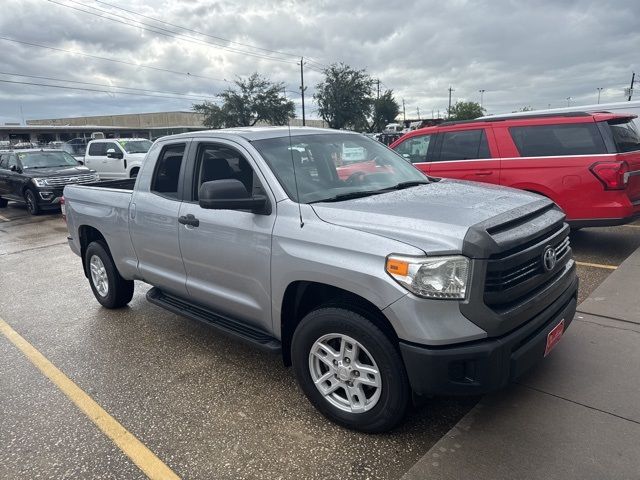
(373, 280)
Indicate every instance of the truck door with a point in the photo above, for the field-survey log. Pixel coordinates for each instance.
(227, 256)
(465, 154)
(153, 219)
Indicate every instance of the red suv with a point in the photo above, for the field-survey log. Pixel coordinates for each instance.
(588, 163)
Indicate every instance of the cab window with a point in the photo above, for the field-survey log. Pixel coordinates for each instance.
(167, 174)
(219, 162)
(464, 145)
(97, 149)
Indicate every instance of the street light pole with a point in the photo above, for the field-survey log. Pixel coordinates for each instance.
(599, 90)
(449, 109)
(568, 101)
(481, 95)
(302, 89)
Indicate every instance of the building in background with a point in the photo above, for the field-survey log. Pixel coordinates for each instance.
(140, 125)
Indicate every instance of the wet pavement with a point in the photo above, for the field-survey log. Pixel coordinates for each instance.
(206, 405)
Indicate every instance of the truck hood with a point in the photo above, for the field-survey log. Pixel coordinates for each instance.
(56, 171)
(433, 217)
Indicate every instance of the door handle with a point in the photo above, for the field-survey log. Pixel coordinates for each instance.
(189, 220)
(484, 173)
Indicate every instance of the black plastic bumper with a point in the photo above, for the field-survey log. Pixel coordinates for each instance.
(486, 365)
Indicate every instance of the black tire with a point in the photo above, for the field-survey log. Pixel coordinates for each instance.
(3, 203)
(30, 199)
(119, 291)
(395, 391)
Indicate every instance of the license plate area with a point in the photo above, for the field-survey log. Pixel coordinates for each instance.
(553, 337)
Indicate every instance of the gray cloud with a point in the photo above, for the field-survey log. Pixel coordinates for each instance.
(534, 53)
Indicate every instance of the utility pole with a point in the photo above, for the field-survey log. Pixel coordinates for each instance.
(302, 89)
(481, 96)
(568, 101)
(378, 82)
(404, 114)
(418, 109)
(633, 79)
(599, 90)
(449, 109)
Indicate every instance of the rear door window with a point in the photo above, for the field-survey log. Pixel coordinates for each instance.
(166, 178)
(4, 161)
(625, 135)
(558, 140)
(464, 145)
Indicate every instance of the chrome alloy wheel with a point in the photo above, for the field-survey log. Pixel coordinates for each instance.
(99, 276)
(345, 373)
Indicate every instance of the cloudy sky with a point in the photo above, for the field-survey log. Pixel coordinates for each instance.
(521, 53)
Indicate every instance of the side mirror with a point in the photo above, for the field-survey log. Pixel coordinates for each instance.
(111, 153)
(231, 195)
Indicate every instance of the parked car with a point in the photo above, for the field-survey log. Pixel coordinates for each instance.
(36, 177)
(588, 163)
(372, 288)
(117, 158)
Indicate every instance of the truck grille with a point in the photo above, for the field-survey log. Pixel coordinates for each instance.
(61, 181)
(517, 275)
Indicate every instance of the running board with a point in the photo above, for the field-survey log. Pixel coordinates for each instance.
(229, 326)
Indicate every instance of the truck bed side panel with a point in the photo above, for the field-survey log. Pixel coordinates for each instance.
(106, 210)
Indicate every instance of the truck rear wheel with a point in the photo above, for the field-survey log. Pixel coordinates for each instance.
(109, 288)
(350, 370)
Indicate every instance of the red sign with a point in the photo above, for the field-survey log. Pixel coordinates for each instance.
(554, 337)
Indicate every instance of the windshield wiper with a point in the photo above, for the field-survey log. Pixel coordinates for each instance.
(409, 184)
(350, 196)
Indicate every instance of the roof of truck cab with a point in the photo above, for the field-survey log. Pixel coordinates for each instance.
(258, 133)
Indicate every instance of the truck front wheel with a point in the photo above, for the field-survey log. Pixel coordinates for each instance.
(109, 288)
(350, 370)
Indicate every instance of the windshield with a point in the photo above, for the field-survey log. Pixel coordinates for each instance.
(46, 159)
(136, 146)
(321, 174)
(626, 135)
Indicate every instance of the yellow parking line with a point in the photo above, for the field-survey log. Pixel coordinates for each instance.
(596, 265)
(133, 448)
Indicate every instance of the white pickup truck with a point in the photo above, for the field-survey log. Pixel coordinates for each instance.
(117, 158)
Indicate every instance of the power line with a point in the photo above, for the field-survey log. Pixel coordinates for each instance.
(163, 31)
(203, 33)
(92, 89)
(123, 62)
(186, 95)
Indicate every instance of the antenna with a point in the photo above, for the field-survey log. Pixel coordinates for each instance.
(295, 177)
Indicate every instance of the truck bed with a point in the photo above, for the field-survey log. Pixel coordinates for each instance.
(124, 184)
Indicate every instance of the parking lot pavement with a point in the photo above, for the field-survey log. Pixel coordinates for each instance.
(206, 405)
(598, 251)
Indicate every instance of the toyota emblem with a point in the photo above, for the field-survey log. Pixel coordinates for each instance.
(549, 258)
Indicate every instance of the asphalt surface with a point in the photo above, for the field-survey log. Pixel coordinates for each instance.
(206, 405)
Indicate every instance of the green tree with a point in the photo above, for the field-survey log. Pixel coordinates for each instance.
(255, 99)
(345, 97)
(385, 111)
(466, 111)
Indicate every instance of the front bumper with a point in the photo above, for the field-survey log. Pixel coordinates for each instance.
(485, 365)
(48, 197)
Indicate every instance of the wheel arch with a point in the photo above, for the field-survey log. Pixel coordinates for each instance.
(88, 234)
(301, 297)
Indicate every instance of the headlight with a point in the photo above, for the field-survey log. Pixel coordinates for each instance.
(40, 182)
(431, 277)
